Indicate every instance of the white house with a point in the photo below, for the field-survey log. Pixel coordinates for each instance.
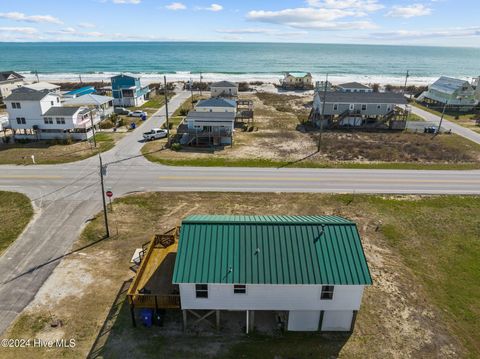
(9, 80)
(451, 92)
(298, 80)
(312, 269)
(44, 86)
(102, 104)
(224, 89)
(38, 115)
(353, 87)
(209, 128)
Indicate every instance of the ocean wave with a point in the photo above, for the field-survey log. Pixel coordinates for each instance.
(212, 77)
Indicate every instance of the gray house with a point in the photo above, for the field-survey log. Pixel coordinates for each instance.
(353, 87)
(355, 108)
(9, 80)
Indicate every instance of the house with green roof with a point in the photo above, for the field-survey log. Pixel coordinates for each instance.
(297, 81)
(310, 270)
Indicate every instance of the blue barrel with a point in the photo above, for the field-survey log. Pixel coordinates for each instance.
(147, 317)
(144, 117)
(133, 126)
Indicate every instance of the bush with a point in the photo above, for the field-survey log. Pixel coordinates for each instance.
(183, 111)
(256, 83)
(106, 124)
(243, 86)
(176, 146)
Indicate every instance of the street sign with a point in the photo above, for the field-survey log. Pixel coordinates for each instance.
(109, 194)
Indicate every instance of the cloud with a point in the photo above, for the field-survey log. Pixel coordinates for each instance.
(18, 16)
(312, 18)
(86, 25)
(176, 6)
(409, 11)
(456, 32)
(135, 2)
(363, 5)
(263, 31)
(212, 7)
(20, 30)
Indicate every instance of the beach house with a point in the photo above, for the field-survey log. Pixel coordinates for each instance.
(128, 91)
(102, 104)
(456, 94)
(307, 273)
(223, 89)
(353, 87)
(40, 115)
(9, 80)
(44, 86)
(297, 81)
(357, 109)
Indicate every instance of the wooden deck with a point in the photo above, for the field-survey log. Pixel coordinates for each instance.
(152, 287)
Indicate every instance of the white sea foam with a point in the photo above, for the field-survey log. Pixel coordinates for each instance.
(211, 77)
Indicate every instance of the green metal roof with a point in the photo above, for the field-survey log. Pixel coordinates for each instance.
(270, 250)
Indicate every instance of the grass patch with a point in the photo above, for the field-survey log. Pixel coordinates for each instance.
(51, 152)
(15, 211)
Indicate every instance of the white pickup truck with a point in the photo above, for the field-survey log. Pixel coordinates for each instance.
(154, 134)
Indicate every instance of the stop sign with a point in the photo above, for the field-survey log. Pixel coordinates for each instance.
(109, 193)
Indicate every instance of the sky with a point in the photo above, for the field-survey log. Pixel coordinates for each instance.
(396, 22)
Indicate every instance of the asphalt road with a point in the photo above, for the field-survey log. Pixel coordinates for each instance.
(447, 125)
(66, 196)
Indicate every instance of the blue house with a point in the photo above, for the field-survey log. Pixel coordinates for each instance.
(128, 91)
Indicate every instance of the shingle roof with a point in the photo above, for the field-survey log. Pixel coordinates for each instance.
(353, 85)
(89, 100)
(270, 250)
(61, 111)
(217, 102)
(26, 94)
(4, 75)
(448, 85)
(223, 84)
(363, 97)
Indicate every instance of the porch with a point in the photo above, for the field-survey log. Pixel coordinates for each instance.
(152, 287)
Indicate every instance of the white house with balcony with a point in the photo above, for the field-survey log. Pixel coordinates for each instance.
(102, 104)
(310, 270)
(40, 115)
(452, 92)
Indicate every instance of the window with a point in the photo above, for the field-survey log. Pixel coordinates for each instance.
(21, 120)
(327, 292)
(60, 121)
(378, 107)
(201, 290)
(352, 106)
(335, 107)
(364, 107)
(16, 105)
(239, 289)
(51, 102)
(58, 99)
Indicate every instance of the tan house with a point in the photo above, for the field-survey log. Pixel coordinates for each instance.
(298, 80)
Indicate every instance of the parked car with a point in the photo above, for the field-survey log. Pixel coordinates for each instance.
(137, 113)
(430, 129)
(155, 134)
(121, 111)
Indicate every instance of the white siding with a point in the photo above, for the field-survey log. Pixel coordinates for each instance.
(223, 91)
(337, 320)
(32, 111)
(215, 109)
(303, 320)
(272, 297)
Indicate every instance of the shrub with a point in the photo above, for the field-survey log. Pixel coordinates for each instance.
(243, 86)
(183, 111)
(176, 146)
(106, 124)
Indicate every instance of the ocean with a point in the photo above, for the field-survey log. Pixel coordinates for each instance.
(237, 61)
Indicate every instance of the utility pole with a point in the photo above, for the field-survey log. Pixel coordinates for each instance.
(93, 129)
(36, 75)
(405, 92)
(166, 107)
(103, 196)
(191, 90)
(201, 77)
(319, 144)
